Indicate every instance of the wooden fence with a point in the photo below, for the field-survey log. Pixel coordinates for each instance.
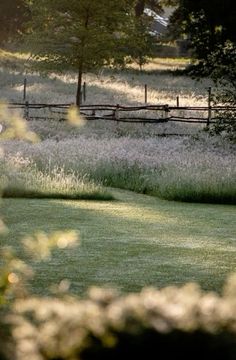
(145, 114)
(142, 114)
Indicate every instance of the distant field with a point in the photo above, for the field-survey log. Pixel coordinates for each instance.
(106, 86)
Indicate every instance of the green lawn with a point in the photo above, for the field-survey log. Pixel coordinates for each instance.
(129, 243)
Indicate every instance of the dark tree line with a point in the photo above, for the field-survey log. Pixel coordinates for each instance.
(13, 16)
(204, 23)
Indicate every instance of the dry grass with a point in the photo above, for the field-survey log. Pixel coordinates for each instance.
(110, 86)
(129, 156)
(106, 86)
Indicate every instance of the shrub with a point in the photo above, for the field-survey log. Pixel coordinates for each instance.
(168, 323)
(221, 66)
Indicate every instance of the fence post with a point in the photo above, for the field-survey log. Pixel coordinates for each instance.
(145, 93)
(209, 107)
(24, 89)
(84, 91)
(26, 115)
(177, 100)
(166, 109)
(117, 115)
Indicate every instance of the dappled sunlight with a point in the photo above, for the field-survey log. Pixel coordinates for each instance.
(131, 242)
(162, 227)
(160, 64)
(35, 88)
(64, 78)
(125, 210)
(18, 88)
(112, 87)
(130, 89)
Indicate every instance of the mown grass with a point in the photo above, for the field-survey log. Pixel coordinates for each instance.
(133, 242)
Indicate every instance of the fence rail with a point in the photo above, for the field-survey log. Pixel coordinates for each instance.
(129, 114)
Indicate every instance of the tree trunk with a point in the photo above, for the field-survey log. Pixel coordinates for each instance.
(139, 8)
(79, 87)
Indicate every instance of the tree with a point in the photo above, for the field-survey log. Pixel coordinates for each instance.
(142, 42)
(222, 65)
(204, 23)
(79, 35)
(210, 30)
(13, 16)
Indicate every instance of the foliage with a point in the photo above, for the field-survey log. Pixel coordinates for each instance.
(222, 67)
(142, 43)
(81, 36)
(15, 127)
(223, 71)
(106, 325)
(85, 36)
(204, 23)
(15, 274)
(209, 28)
(13, 16)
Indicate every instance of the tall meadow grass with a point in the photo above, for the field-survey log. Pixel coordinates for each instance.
(135, 157)
(20, 177)
(174, 169)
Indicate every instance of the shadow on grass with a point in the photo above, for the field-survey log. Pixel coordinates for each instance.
(29, 194)
(15, 70)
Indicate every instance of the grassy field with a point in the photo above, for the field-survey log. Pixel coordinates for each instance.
(108, 86)
(176, 168)
(133, 242)
(136, 240)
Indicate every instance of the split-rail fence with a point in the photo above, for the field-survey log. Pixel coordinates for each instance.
(143, 114)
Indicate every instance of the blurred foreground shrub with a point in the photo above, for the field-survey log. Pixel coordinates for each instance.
(178, 323)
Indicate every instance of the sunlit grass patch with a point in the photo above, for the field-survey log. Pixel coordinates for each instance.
(109, 86)
(163, 64)
(29, 182)
(13, 60)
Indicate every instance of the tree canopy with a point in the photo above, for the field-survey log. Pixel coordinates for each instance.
(79, 35)
(204, 23)
(13, 15)
(85, 35)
